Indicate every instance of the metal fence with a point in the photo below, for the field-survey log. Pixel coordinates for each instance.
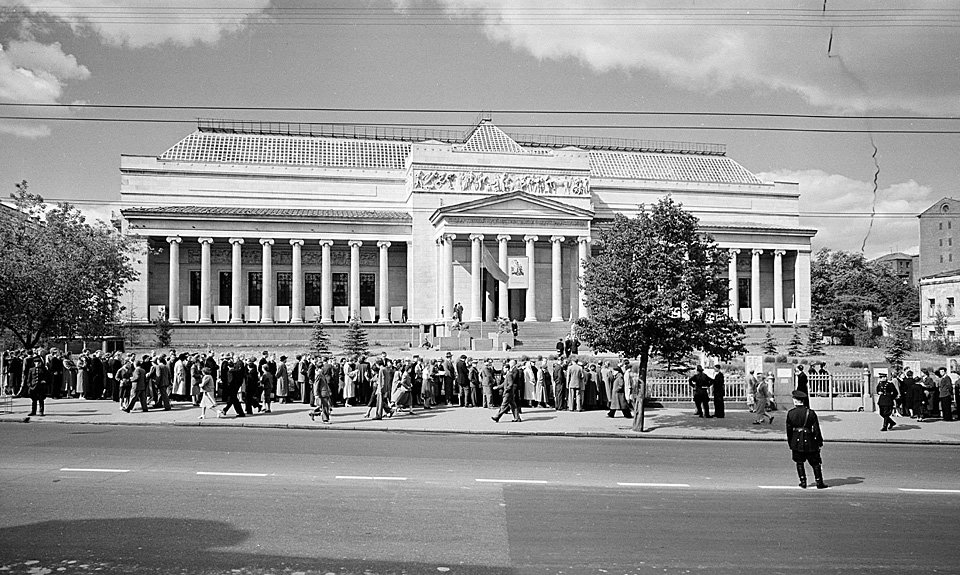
(677, 388)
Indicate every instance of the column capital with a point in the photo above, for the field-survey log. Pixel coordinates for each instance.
(476, 237)
(383, 244)
(296, 242)
(531, 238)
(503, 237)
(557, 239)
(448, 237)
(174, 239)
(583, 239)
(266, 241)
(205, 240)
(734, 251)
(355, 243)
(756, 251)
(325, 243)
(236, 241)
(779, 253)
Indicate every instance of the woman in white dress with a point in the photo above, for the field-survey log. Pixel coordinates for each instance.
(349, 383)
(207, 400)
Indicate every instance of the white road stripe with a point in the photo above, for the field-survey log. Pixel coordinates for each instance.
(625, 484)
(371, 478)
(92, 470)
(929, 490)
(231, 474)
(778, 486)
(534, 481)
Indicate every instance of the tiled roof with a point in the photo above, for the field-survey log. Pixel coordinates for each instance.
(669, 167)
(270, 212)
(225, 148)
(488, 138)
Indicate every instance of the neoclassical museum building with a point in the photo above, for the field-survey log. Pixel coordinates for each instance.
(266, 223)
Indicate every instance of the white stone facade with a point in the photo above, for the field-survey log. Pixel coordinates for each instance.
(394, 227)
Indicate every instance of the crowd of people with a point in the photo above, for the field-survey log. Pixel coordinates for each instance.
(250, 383)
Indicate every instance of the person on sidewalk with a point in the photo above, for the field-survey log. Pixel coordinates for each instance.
(752, 384)
(161, 382)
(575, 382)
(762, 398)
(945, 388)
(558, 377)
(138, 383)
(719, 391)
(463, 382)
(321, 386)
(700, 382)
(231, 388)
(207, 389)
(886, 399)
(487, 379)
(618, 398)
(508, 387)
(805, 439)
(35, 381)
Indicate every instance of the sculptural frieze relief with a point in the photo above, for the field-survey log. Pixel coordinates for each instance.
(502, 182)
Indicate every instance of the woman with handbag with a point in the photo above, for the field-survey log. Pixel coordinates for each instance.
(762, 400)
(805, 439)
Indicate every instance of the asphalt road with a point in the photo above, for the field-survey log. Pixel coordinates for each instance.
(126, 499)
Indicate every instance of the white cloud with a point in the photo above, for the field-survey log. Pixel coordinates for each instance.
(834, 194)
(37, 73)
(138, 23)
(890, 68)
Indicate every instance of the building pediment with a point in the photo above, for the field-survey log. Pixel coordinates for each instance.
(510, 207)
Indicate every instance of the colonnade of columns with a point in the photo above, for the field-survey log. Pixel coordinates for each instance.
(445, 243)
(756, 311)
(267, 299)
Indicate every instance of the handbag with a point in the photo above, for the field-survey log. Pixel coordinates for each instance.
(771, 404)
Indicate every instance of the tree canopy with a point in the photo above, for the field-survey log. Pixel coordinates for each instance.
(60, 276)
(845, 284)
(656, 286)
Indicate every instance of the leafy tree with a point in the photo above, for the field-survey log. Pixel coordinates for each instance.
(769, 345)
(163, 330)
(59, 275)
(355, 339)
(940, 329)
(814, 337)
(845, 284)
(900, 341)
(795, 343)
(655, 286)
(319, 339)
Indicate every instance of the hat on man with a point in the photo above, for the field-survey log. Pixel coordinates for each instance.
(797, 394)
(449, 354)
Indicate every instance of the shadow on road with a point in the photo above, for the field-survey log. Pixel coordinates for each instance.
(168, 545)
(844, 481)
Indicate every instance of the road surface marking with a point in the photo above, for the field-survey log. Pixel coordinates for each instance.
(370, 478)
(534, 481)
(624, 484)
(91, 470)
(231, 474)
(778, 486)
(930, 490)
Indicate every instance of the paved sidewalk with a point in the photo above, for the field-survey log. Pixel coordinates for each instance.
(663, 423)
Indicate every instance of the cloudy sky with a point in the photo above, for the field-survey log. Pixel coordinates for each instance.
(704, 68)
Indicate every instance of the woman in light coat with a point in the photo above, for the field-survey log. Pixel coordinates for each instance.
(618, 399)
(283, 381)
(762, 397)
(349, 383)
(207, 388)
(181, 387)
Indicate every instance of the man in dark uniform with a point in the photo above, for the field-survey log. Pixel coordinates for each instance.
(805, 439)
(945, 389)
(886, 399)
(701, 382)
(718, 392)
(510, 376)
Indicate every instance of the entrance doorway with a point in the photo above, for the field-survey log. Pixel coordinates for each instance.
(518, 304)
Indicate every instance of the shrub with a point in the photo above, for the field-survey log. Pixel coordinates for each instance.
(856, 363)
(768, 359)
(781, 358)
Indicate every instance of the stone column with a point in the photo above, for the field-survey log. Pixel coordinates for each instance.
(503, 305)
(756, 315)
(531, 278)
(355, 278)
(583, 245)
(266, 299)
(384, 282)
(296, 300)
(173, 299)
(476, 277)
(205, 279)
(448, 275)
(326, 282)
(734, 286)
(556, 287)
(778, 286)
(236, 279)
(801, 284)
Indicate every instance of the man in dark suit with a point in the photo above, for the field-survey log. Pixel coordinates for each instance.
(718, 392)
(945, 388)
(558, 377)
(448, 375)
(510, 377)
(805, 439)
(701, 382)
(463, 381)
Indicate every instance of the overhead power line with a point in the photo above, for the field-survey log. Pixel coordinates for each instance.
(515, 125)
